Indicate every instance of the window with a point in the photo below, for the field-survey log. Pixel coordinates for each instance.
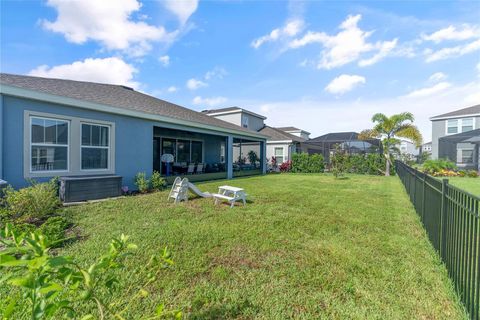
(183, 151)
(196, 152)
(49, 144)
(460, 125)
(467, 156)
(467, 124)
(222, 152)
(95, 147)
(279, 155)
(245, 121)
(452, 126)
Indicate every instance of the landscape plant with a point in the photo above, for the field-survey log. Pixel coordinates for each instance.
(47, 286)
(253, 158)
(157, 181)
(339, 162)
(142, 183)
(307, 163)
(389, 129)
(436, 166)
(31, 204)
(286, 166)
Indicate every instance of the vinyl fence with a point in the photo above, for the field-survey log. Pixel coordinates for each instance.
(451, 219)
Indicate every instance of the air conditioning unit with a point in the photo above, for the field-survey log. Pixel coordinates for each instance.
(76, 189)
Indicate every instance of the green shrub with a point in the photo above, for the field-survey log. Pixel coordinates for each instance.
(158, 182)
(142, 183)
(305, 163)
(435, 166)
(32, 203)
(54, 229)
(472, 173)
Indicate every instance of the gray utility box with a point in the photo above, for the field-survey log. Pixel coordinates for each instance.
(75, 189)
(3, 185)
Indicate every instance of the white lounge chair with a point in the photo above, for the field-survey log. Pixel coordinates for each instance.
(200, 168)
(191, 168)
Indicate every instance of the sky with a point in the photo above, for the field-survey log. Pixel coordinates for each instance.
(323, 66)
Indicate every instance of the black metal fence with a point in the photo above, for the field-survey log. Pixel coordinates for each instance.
(451, 219)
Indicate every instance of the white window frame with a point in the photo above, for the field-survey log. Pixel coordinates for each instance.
(459, 124)
(275, 153)
(32, 144)
(96, 147)
(461, 155)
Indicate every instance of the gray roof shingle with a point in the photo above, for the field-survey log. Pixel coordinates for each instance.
(461, 112)
(276, 134)
(115, 96)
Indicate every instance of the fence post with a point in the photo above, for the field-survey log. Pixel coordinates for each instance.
(443, 231)
(423, 198)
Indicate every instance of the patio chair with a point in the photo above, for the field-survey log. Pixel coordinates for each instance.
(200, 168)
(191, 168)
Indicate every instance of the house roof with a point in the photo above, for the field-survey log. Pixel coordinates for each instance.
(119, 97)
(292, 129)
(462, 136)
(214, 112)
(473, 110)
(276, 134)
(339, 137)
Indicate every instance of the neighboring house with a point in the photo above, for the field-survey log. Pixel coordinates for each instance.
(466, 157)
(281, 142)
(348, 141)
(453, 123)
(53, 127)
(426, 148)
(296, 132)
(408, 147)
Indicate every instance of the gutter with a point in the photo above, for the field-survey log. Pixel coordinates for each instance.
(36, 95)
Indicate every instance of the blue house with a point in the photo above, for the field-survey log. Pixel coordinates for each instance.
(65, 128)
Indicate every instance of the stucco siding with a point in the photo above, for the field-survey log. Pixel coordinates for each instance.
(133, 151)
(235, 118)
(254, 123)
(439, 129)
(1, 136)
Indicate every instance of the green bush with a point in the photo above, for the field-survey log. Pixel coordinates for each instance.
(32, 203)
(158, 183)
(142, 183)
(339, 162)
(305, 163)
(371, 163)
(472, 173)
(54, 229)
(435, 166)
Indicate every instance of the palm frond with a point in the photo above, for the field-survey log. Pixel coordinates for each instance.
(368, 134)
(379, 117)
(409, 131)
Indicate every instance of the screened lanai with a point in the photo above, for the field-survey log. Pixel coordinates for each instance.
(347, 141)
(462, 148)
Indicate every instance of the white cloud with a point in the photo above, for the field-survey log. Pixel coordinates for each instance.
(183, 9)
(428, 91)
(109, 22)
(164, 60)
(344, 83)
(216, 73)
(111, 70)
(478, 67)
(321, 116)
(194, 84)
(172, 89)
(346, 46)
(290, 29)
(452, 52)
(211, 102)
(452, 33)
(384, 50)
(437, 77)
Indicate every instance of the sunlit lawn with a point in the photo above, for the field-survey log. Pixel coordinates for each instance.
(471, 185)
(305, 246)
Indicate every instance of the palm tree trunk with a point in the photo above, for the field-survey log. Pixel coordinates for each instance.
(387, 165)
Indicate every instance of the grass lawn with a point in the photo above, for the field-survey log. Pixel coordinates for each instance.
(471, 185)
(306, 246)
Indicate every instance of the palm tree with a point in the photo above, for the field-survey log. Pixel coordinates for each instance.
(389, 129)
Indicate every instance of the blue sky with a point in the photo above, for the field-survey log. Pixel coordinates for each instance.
(323, 66)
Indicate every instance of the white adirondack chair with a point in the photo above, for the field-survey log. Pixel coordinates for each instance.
(200, 168)
(191, 168)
